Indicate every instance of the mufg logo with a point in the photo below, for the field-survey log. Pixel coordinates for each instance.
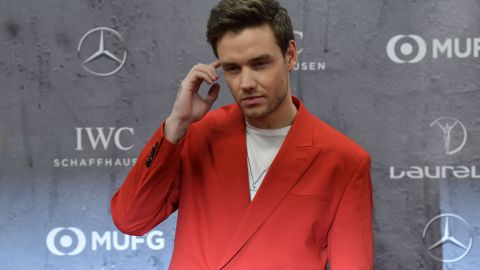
(71, 241)
(414, 48)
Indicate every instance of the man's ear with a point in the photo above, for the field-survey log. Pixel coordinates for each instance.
(291, 55)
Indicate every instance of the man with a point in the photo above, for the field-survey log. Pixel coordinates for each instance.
(260, 184)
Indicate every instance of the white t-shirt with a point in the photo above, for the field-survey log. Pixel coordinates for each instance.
(262, 147)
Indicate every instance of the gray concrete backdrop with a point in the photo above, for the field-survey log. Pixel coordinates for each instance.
(49, 103)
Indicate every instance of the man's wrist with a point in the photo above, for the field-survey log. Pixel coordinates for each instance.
(174, 129)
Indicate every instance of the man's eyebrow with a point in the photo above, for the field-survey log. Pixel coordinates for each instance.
(262, 57)
(225, 64)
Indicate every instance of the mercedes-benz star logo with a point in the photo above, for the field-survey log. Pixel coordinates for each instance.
(454, 244)
(447, 124)
(103, 51)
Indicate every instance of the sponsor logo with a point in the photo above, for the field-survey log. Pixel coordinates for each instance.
(299, 35)
(95, 139)
(71, 241)
(453, 242)
(406, 49)
(448, 125)
(306, 65)
(104, 136)
(67, 241)
(435, 172)
(414, 48)
(103, 61)
(454, 137)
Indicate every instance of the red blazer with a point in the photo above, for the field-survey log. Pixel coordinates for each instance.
(314, 205)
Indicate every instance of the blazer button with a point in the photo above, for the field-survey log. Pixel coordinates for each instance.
(152, 155)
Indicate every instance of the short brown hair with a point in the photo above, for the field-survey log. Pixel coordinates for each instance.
(236, 15)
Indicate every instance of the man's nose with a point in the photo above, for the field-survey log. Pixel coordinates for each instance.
(247, 80)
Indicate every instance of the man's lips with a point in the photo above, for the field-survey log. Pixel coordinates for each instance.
(251, 100)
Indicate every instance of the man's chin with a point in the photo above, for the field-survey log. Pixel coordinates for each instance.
(253, 113)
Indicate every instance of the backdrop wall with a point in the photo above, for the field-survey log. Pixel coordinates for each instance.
(399, 77)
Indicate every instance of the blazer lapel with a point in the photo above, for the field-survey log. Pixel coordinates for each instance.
(292, 160)
(229, 148)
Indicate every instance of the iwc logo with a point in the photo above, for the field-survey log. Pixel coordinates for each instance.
(102, 51)
(93, 143)
(453, 242)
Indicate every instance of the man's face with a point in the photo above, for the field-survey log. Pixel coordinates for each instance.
(257, 73)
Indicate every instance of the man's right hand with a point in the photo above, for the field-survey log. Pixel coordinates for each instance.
(189, 106)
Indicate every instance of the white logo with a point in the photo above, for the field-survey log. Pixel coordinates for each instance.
(66, 241)
(300, 35)
(306, 65)
(436, 172)
(447, 125)
(454, 135)
(102, 137)
(99, 137)
(72, 241)
(412, 49)
(453, 244)
(102, 50)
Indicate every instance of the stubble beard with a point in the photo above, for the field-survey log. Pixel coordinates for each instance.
(265, 109)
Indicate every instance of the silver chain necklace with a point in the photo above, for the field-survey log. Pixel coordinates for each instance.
(252, 182)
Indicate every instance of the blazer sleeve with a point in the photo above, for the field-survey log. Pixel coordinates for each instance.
(150, 193)
(350, 240)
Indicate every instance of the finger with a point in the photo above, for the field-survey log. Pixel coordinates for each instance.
(212, 94)
(212, 69)
(215, 64)
(200, 76)
(206, 69)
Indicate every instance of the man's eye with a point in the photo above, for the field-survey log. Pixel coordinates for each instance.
(232, 69)
(259, 65)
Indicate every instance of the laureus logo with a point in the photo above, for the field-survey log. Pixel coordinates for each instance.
(406, 49)
(452, 243)
(105, 53)
(451, 129)
(451, 137)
